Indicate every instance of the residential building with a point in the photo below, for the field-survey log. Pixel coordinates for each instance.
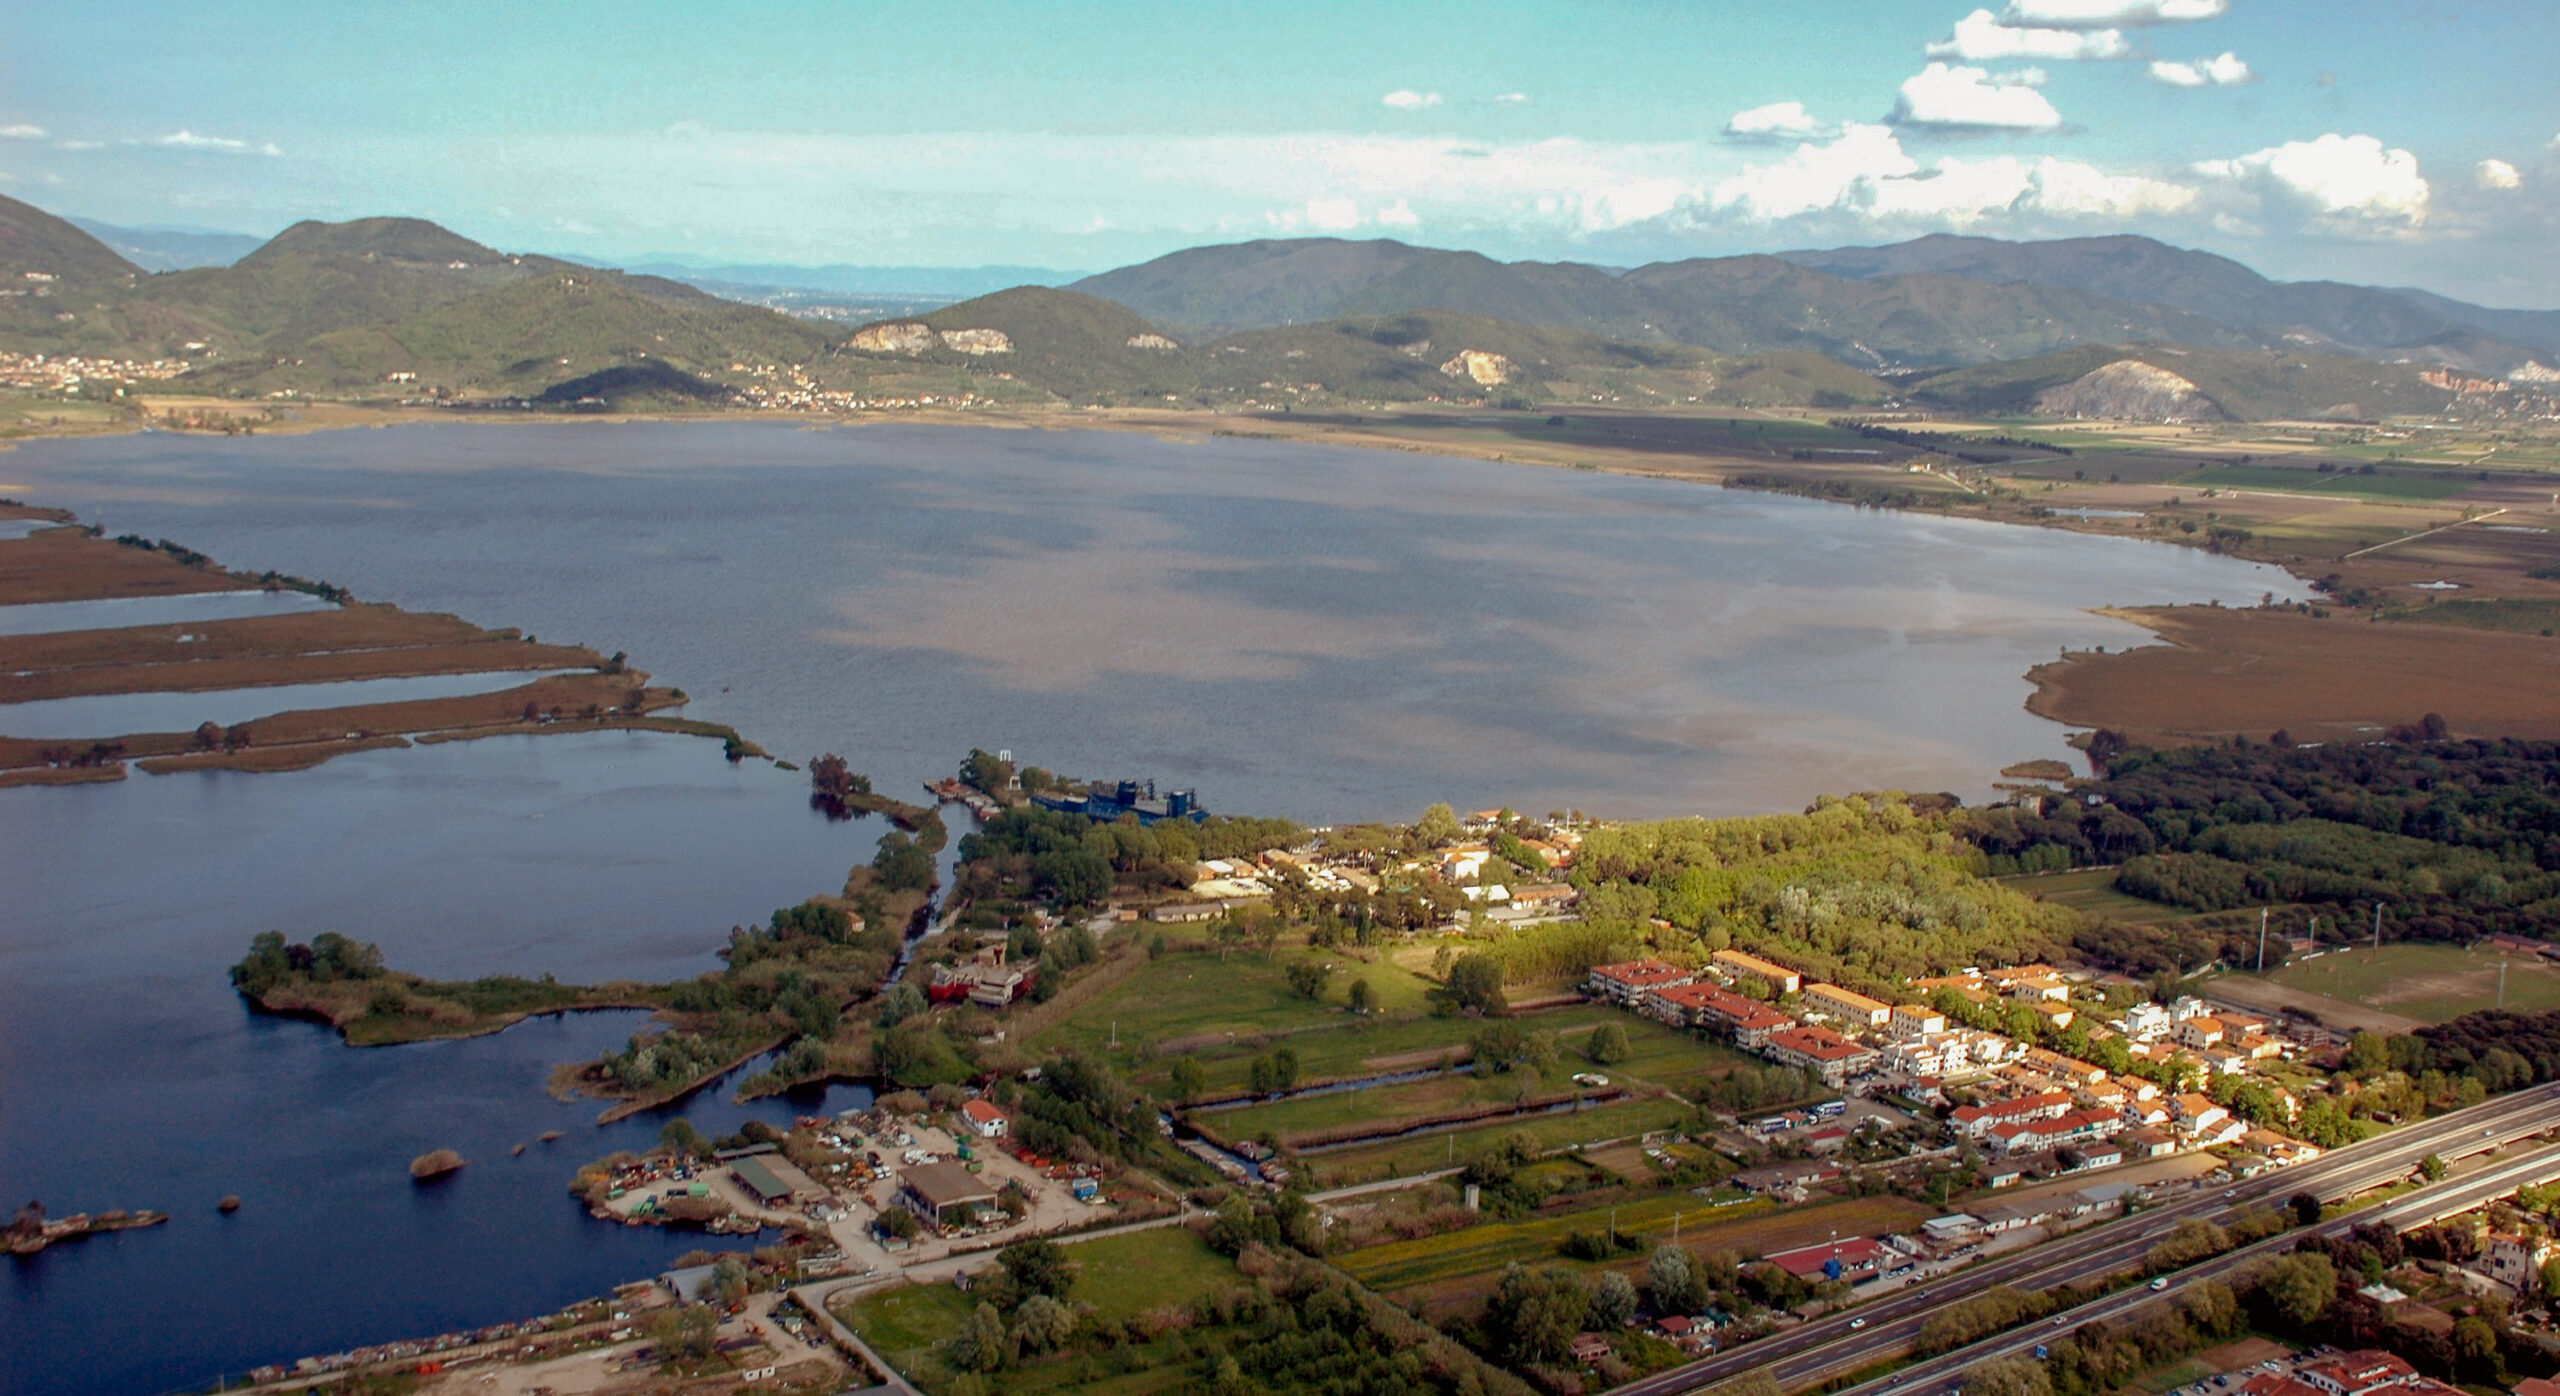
(2055, 1015)
(2145, 1021)
(2201, 1032)
(1913, 1020)
(1977, 1121)
(2042, 1135)
(2357, 1373)
(2197, 1111)
(2516, 1261)
(1847, 1005)
(2071, 1070)
(1821, 1051)
(1853, 1259)
(1629, 981)
(985, 1119)
(1779, 978)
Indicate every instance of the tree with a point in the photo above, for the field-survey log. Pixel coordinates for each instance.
(1475, 982)
(2306, 1209)
(681, 1137)
(1042, 1323)
(1308, 980)
(1274, 1071)
(1613, 1301)
(2297, 1288)
(729, 1279)
(903, 1001)
(1362, 997)
(687, 1332)
(2433, 1167)
(1608, 1043)
(1438, 827)
(1189, 1079)
(982, 1344)
(1534, 1314)
(902, 864)
(2475, 1349)
(2008, 1376)
(1673, 1281)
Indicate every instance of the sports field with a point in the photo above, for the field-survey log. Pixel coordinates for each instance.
(2429, 982)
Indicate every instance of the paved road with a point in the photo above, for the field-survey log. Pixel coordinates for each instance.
(2432, 1203)
(1807, 1353)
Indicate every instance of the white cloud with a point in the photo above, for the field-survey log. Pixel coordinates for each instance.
(1944, 95)
(2345, 179)
(79, 145)
(2225, 71)
(1398, 215)
(1406, 99)
(1866, 172)
(2080, 190)
(1777, 121)
(21, 132)
(1333, 215)
(190, 140)
(1512, 99)
(1980, 37)
(2494, 173)
(2105, 14)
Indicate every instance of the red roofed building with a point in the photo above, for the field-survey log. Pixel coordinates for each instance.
(2072, 1127)
(2278, 1384)
(985, 1118)
(2357, 1373)
(1819, 1050)
(1713, 1006)
(1629, 981)
(1860, 1259)
(1977, 1121)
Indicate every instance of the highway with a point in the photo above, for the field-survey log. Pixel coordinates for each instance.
(1826, 1347)
(2431, 1203)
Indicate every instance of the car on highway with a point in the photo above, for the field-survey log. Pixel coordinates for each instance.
(2160, 1283)
(1857, 1323)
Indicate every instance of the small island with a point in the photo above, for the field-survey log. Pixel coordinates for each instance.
(31, 1230)
(342, 983)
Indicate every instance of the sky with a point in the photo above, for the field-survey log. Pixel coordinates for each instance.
(2400, 142)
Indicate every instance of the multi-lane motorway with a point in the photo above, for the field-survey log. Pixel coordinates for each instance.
(1831, 1346)
(2434, 1202)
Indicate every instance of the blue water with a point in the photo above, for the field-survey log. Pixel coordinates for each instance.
(51, 617)
(132, 1076)
(20, 528)
(124, 714)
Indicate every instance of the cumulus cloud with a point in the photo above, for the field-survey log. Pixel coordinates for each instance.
(1958, 96)
(2346, 180)
(1406, 99)
(2225, 71)
(1866, 172)
(1980, 37)
(190, 140)
(1511, 99)
(79, 145)
(1777, 121)
(2109, 14)
(21, 131)
(1398, 215)
(2494, 173)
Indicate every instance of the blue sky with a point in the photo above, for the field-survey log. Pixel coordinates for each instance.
(2399, 141)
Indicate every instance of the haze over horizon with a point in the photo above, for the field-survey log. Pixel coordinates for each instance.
(2345, 141)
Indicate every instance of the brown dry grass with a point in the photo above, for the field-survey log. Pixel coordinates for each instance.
(75, 567)
(2226, 671)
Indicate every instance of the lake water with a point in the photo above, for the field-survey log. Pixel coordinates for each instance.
(1319, 633)
(53, 617)
(124, 714)
(131, 1075)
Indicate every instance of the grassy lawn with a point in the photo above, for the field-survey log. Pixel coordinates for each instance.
(1423, 1153)
(2513, 616)
(1119, 1276)
(2422, 980)
(1470, 1260)
(2092, 893)
(2377, 486)
(1287, 1121)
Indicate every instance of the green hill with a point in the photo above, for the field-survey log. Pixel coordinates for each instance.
(2245, 384)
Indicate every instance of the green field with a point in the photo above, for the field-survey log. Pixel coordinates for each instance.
(2380, 486)
(2513, 616)
(2431, 982)
(2092, 893)
(1404, 1157)
(1120, 1276)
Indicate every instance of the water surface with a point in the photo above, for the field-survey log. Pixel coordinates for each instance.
(53, 617)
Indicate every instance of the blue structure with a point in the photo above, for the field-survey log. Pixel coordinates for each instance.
(1130, 797)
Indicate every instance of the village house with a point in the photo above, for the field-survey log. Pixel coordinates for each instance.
(1820, 1051)
(2357, 1373)
(1913, 1020)
(2200, 1033)
(2516, 1261)
(1627, 982)
(985, 1120)
(1847, 1005)
(1779, 978)
(1977, 1121)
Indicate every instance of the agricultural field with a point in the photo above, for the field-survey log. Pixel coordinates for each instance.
(1452, 1269)
(2429, 982)
(1624, 1119)
(2515, 616)
(2384, 485)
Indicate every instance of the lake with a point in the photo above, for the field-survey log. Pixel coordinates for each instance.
(1320, 633)
(123, 714)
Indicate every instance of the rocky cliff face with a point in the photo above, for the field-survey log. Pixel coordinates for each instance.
(1485, 368)
(2132, 391)
(915, 337)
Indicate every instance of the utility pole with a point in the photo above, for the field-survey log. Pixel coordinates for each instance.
(2377, 926)
(2502, 985)
(2262, 940)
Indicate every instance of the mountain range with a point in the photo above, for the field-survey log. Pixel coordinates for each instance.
(355, 308)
